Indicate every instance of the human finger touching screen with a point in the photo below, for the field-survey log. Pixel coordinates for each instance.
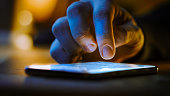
(96, 25)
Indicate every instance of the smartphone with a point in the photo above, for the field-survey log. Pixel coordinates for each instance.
(90, 70)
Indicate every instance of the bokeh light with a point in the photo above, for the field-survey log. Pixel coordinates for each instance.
(23, 42)
(41, 9)
(25, 17)
(26, 13)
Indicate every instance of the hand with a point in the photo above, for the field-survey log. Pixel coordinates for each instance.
(92, 24)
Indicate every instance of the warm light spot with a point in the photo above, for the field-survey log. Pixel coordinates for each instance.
(25, 17)
(23, 42)
(40, 3)
(41, 9)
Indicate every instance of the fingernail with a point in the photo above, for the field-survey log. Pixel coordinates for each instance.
(107, 52)
(88, 44)
(91, 47)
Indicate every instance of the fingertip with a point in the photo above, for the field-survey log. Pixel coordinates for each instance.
(53, 26)
(58, 53)
(58, 25)
(91, 47)
(107, 52)
(88, 44)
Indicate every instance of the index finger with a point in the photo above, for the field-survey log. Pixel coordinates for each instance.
(103, 15)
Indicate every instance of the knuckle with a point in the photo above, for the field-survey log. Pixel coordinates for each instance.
(59, 54)
(58, 25)
(52, 53)
(54, 48)
(75, 9)
(78, 36)
(102, 14)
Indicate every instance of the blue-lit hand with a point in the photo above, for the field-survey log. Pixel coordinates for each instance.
(95, 23)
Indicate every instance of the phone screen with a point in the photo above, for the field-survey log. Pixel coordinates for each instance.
(93, 68)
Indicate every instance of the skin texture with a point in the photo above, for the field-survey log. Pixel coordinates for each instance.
(95, 30)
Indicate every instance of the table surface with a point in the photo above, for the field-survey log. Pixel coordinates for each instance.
(14, 81)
